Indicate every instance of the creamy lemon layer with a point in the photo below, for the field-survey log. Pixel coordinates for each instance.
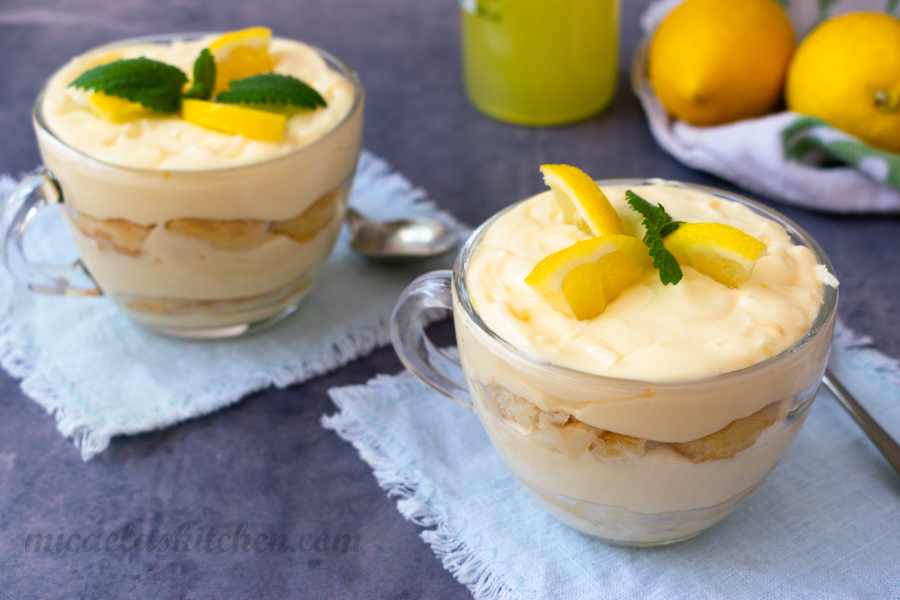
(169, 143)
(691, 331)
(659, 481)
(172, 265)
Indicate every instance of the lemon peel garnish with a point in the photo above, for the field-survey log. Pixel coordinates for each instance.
(722, 252)
(234, 119)
(582, 280)
(581, 201)
(240, 54)
(118, 110)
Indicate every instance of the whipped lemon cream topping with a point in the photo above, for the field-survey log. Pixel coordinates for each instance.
(691, 331)
(170, 143)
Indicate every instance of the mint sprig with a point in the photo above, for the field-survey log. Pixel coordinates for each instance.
(272, 88)
(204, 77)
(151, 83)
(659, 224)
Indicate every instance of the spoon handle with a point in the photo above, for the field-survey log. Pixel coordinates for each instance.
(884, 442)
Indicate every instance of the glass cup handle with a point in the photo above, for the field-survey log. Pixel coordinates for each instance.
(417, 353)
(23, 204)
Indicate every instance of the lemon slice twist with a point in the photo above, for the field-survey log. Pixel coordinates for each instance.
(582, 280)
(234, 119)
(581, 201)
(240, 54)
(722, 252)
(119, 110)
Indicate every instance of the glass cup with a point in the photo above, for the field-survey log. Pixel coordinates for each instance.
(208, 264)
(539, 62)
(598, 487)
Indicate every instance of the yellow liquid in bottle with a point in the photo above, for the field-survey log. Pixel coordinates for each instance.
(539, 62)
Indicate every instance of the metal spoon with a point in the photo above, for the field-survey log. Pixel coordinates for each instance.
(884, 442)
(404, 239)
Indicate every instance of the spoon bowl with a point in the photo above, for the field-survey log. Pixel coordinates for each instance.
(403, 239)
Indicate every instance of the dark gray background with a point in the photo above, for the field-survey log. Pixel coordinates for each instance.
(267, 461)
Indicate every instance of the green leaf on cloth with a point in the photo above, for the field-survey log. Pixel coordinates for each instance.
(811, 140)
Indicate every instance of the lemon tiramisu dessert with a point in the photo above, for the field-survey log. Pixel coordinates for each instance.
(205, 180)
(641, 355)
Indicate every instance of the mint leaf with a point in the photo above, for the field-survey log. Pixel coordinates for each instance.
(667, 229)
(640, 205)
(657, 217)
(272, 88)
(153, 84)
(663, 260)
(659, 224)
(204, 77)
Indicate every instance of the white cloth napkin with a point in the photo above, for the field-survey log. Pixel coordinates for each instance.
(824, 525)
(784, 156)
(101, 375)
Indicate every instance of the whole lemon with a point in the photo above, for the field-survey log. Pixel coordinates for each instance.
(847, 72)
(717, 61)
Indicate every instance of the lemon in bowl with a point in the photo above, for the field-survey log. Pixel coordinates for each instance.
(847, 72)
(717, 61)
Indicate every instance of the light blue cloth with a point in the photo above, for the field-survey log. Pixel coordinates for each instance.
(825, 525)
(101, 375)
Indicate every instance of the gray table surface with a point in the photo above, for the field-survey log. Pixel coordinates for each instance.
(267, 461)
